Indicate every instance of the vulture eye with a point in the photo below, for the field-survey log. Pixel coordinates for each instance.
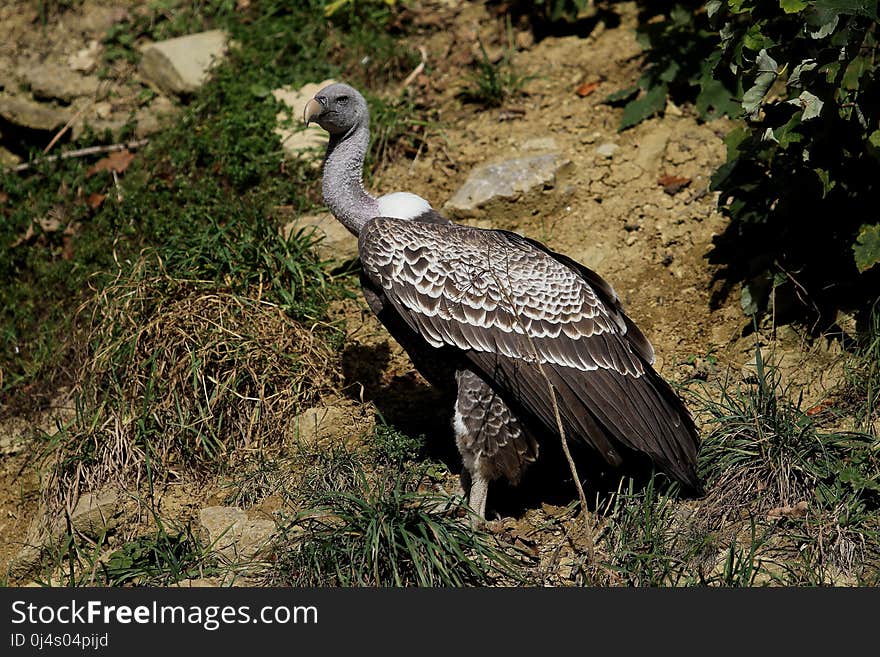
(342, 100)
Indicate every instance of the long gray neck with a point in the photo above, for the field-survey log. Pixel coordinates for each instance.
(342, 183)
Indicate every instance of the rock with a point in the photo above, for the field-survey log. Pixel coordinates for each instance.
(607, 150)
(94, 515)
(228, 532)
(524, 40)
(8, 158)
(323, 426)
(149, 119)
(85, 60)
(547, 144)
(51, 81)
(298, 141)
(507, 180)
(180, 66)
(651, 149)
(197, 583)
(336, 243)
(29, 114)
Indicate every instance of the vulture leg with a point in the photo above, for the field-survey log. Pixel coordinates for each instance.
(490, 439)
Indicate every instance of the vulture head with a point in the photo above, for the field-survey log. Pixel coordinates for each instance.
(342, 111)
(338, 109)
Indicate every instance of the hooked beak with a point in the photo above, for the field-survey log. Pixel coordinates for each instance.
(313, 109)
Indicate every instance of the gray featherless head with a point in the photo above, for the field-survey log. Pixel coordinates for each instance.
(337, 108)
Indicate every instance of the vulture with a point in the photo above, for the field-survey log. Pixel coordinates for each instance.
(526, 339)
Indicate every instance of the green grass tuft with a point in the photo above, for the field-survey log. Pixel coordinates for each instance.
(491, 84)
(381, 525)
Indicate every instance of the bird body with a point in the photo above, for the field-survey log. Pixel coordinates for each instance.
(530, 340)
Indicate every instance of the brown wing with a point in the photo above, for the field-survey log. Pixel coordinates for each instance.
(525, 318)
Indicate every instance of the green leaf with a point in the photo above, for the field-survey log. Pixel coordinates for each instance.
(792, 6)
(809, 103)
(827, 23)
(854, 72)
(722, 174)
(767, 72)
(756, 292)
(827, 183)
(755, 39)
(642, 108)
(621, 96)
(867, 247)
(733, 139)
(715, 99)
(712, 7)
(874, 139)
(794, 80)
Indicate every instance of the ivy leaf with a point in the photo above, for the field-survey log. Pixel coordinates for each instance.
(715, 99)
(874, 139)
(792, 6)
(712, 7)
(622, 96)
(767, 72)
(641, 108)
(755, 293)
(827, 183)
(867, 247)
(794, 80)
(809, 103)
(826, 22)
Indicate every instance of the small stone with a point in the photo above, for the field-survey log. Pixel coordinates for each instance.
(652, 148)
(29, 114)
(96, 513)
(334, 240)
(8, 158)
(11, 444)
(103, 110)
(149, 119)
(180, 66)
(524, 40)
(631, 239)
(197, 583)
(85, 60)
(607, 150)
(298, 141)
(672, 109)
(507, 180)
(228, 532)
(540, 144)
(53, 81)
(93, 516)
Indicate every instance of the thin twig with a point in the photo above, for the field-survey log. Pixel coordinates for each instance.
(66, 127)
(116, 184)
(416, 71)
(82, 152)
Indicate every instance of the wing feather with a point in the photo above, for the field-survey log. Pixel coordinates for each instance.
(525, 316)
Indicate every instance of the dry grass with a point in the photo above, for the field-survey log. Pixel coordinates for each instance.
(177, 375)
